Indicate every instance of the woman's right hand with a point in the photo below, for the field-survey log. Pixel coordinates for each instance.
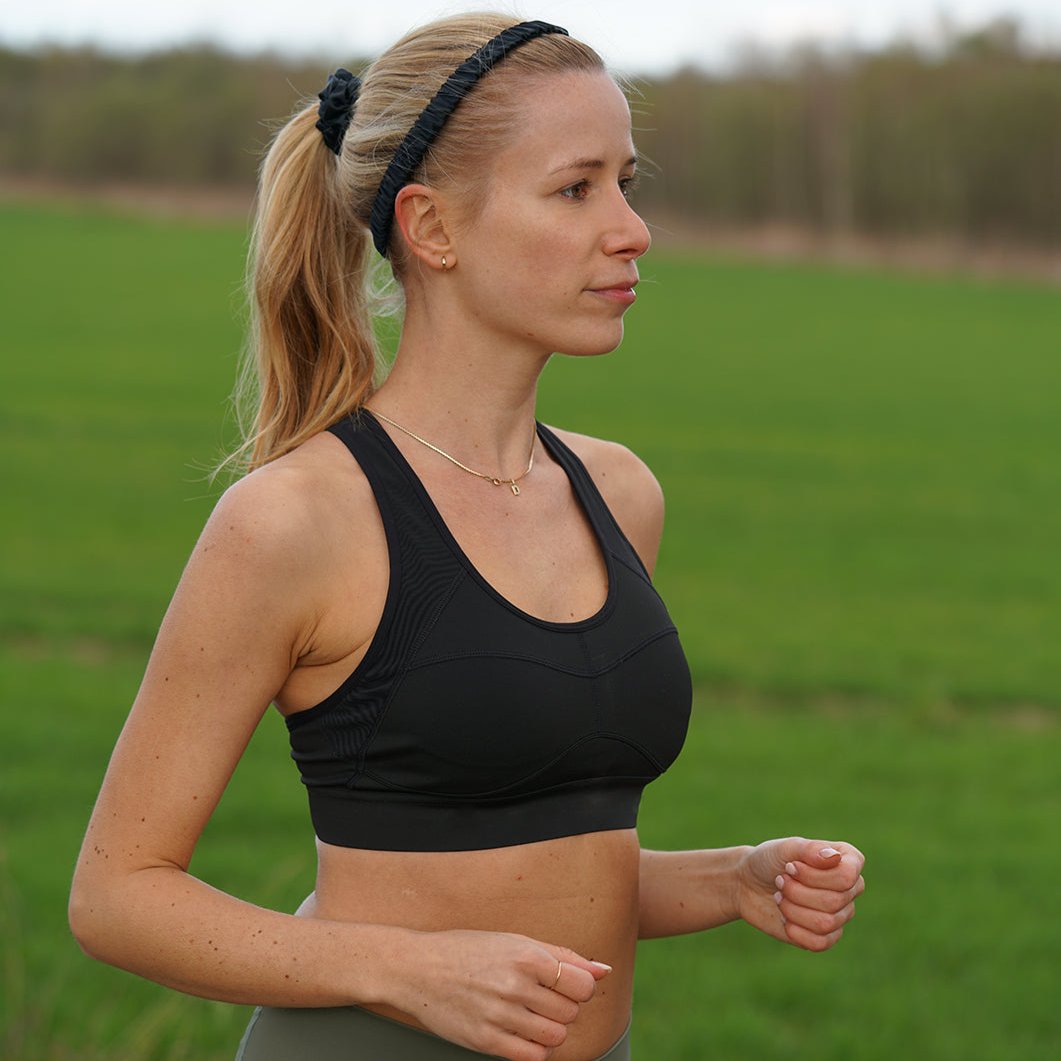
(496, 992)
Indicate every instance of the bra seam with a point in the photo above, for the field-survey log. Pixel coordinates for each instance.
(526, 658)
(635, 568)
(430, 798)
(598, 707)
(399, 677)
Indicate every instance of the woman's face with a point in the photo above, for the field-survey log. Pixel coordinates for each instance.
(550, 261)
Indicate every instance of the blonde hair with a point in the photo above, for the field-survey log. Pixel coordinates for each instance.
(312, 355)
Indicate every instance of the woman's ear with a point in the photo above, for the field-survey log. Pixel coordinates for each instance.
(419, 212)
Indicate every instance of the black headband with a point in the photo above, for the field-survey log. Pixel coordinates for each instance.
(433, 117)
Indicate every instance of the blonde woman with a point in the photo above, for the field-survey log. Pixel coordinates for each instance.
(449, 602)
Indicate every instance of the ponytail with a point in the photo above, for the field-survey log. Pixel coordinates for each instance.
(312, 354)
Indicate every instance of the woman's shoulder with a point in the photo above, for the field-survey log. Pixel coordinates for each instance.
(629, 488)
(615, 469)
(297, 500)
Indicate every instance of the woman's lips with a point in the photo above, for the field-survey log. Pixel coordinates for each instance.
(625, 295)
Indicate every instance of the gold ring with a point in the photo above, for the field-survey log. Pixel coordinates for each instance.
(559, 970)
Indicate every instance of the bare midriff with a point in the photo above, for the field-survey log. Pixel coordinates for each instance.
(578, 891)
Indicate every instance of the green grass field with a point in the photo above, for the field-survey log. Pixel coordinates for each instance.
(863, 474)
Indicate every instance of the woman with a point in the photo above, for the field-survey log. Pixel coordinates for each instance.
(450, 604)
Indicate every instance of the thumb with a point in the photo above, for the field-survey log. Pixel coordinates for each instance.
(820, 854)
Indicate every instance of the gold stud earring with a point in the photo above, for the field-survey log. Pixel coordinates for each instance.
(443, 261)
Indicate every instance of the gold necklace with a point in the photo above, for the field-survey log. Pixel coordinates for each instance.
(464, 467)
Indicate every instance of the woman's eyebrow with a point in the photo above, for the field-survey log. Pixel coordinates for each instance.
(589, 163)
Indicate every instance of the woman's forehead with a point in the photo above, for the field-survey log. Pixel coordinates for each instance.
(572, 118)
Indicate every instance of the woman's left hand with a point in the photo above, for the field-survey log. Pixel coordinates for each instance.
(800, 891)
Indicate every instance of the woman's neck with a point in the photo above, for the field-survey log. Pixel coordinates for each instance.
(470, 399)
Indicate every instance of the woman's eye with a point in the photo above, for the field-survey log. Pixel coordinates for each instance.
(576, 191)
(579, 191)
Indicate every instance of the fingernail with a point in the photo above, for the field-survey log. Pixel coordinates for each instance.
(791, 869)
(601, 965)
(778, 897)
(828, 852)
(779, 881)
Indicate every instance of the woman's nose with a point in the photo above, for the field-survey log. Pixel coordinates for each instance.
(629, 234)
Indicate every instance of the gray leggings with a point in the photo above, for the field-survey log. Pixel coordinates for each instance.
(350, 1033)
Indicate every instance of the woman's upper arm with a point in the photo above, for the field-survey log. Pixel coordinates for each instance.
(231, 635)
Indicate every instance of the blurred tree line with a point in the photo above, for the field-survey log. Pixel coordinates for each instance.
(188, 116)
(963, 139)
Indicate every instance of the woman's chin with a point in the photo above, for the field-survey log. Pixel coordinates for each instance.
(586, 347)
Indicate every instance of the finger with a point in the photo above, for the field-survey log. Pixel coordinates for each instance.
(574, 983)
(822, 854)
(577, 975)
(554, 1005)
(802, 937)
(827, 899)
(556, 979)
(514, 1047)
(538, 1029)
(841, 878)
(818, 922)
(598, 970)
(843, 872)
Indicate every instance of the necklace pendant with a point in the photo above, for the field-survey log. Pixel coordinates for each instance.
(515, 489)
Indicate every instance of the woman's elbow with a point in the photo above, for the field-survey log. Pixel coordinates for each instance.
(86, 916)
(79, 915)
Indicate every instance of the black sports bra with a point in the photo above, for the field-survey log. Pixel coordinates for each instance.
(470, 724)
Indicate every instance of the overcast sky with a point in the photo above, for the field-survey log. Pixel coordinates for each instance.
(637, 36)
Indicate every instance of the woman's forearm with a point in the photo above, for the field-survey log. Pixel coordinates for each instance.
(172, 928)
(688, 891)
